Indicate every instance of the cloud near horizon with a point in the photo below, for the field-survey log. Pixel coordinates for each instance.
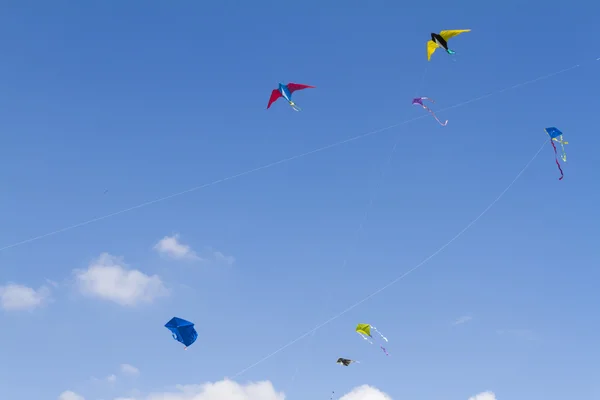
(69, 395)
(261, 390)
(484, 396)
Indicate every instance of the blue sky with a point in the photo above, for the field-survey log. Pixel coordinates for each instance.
(146, 99)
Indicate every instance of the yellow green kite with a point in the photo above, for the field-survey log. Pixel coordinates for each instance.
(364, 330)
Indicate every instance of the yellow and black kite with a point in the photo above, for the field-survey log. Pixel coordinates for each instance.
(441, 40)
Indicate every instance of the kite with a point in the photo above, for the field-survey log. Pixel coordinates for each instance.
(286, 91)
(441, 40)
(364, 330)
(345, 362)
(556, 136)
(183, 331)
(419, 101)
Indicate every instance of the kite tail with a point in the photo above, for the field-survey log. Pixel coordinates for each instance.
(436, 118)
(294, 106)
(451, 52)
(375, 329)
(364, 337)
(562, 146)
(556, 160)
(384, 350)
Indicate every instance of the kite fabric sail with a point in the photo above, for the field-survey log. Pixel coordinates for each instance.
(346, 362)
(183, 331)
(286, 91)
(557, 136)
(441, 40)
(419, 101)
(364, 330)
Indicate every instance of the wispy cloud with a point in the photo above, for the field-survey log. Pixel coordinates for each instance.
(69, 395)
(128, 369)
(484, 396)
(124, 369)
(365, 392)
(462, 320)
(52, 283)
(108, 278)
(525, 334)
(221, 258)
(224, 389)
(112, 378)
(15, 297)
(171, 247)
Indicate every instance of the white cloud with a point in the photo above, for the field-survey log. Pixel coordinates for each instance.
(109, 279)
(221, 258)
(462, 320)
(170, 246)
(264, 390)
(68, 395)
(484, 396)
(111, 378)
(129, 369)
(14, 297)
(365, 392)
(220, 390)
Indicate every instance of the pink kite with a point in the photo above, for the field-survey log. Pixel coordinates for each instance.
(419, 101)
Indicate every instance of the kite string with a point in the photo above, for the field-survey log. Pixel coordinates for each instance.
(363, 221)
(306, 348)
(274, 163)
(405, 274)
